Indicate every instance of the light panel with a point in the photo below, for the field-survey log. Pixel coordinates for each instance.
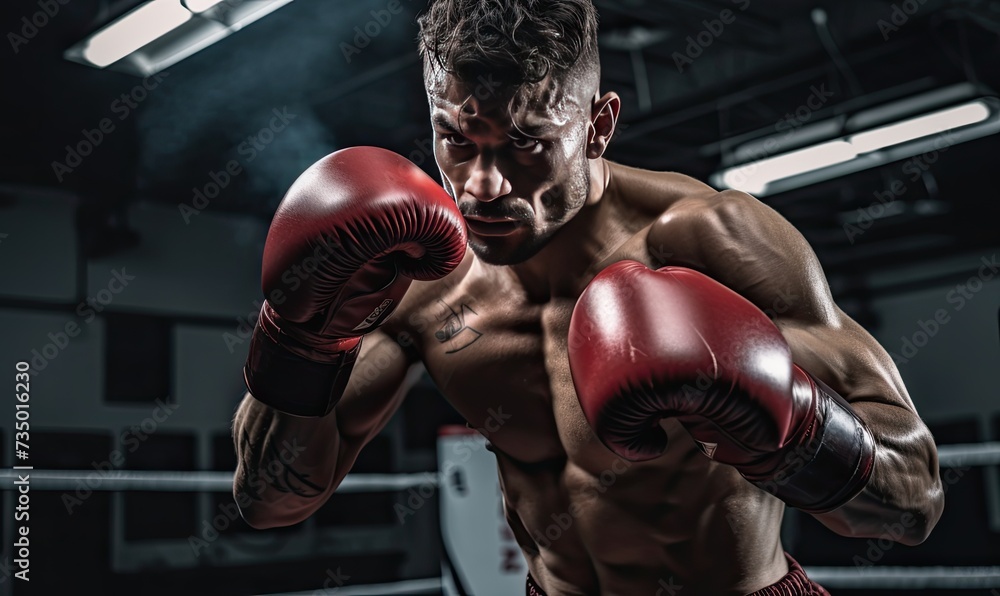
(862, 150)
(134, 30)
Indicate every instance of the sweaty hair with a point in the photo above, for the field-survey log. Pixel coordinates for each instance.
(517, 43)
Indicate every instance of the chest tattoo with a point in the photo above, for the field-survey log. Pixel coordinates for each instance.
(453, 333)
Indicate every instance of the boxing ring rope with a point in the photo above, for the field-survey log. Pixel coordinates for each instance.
(949, 456)
(127, 480)
(430, 585)
(969, 454)
(906, 578)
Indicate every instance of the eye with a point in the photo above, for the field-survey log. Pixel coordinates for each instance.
(457, 140)
(524, 143)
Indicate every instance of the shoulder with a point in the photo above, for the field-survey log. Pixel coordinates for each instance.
(695, 227)
(684, 218)
(691, 230)
(746, 245)
(687, 222)
(649, 192)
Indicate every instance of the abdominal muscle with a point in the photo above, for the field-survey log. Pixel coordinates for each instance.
(598, 524)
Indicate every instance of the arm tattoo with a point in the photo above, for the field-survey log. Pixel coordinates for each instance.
(278, 472)
(454, 333)
(290, 480)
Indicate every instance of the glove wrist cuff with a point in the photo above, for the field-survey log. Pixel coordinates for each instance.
(304, 344)
(293, 377)
(831, 465)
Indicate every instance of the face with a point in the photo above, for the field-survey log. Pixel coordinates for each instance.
(518, 179)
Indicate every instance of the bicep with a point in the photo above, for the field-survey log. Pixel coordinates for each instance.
(847, 358)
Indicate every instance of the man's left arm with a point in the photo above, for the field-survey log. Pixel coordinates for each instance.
(750, 248)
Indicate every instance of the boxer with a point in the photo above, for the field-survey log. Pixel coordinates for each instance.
(659, 367)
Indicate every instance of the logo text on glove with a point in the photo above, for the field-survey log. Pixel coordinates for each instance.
(370, 320)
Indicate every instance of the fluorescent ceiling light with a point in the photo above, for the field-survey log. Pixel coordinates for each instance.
(134, 30)
(859, 151)
(161, 33)
(922, 126)
(755, 176)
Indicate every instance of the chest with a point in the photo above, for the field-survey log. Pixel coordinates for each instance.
(501, 360)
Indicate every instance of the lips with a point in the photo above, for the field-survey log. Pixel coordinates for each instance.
(483, 226)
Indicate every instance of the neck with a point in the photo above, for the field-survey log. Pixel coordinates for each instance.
(557, 268)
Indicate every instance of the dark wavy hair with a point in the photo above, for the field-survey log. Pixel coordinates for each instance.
(517, 42)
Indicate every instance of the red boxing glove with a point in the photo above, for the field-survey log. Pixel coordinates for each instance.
(645, 345)
(351, 234)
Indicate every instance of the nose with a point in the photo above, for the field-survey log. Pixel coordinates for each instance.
(486, 182)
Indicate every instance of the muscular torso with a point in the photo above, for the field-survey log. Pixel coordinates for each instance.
(587, 521)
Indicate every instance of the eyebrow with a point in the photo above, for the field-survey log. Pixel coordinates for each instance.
(539, 130)
(442, 121)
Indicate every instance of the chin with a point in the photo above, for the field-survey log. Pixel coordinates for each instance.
(505, 251)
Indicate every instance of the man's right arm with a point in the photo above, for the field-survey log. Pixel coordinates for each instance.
(347, 240)
(288, 466)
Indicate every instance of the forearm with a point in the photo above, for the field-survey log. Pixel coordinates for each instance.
(286, 465)
(904, 488)
(903, 498)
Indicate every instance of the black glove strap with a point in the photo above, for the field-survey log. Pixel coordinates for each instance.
(833, 466)
(292, 384)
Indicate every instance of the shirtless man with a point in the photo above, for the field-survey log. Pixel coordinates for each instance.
(660, 409)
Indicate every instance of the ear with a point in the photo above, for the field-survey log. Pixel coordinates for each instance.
(603, 118)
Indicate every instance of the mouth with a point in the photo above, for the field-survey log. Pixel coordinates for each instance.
(481, 226)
